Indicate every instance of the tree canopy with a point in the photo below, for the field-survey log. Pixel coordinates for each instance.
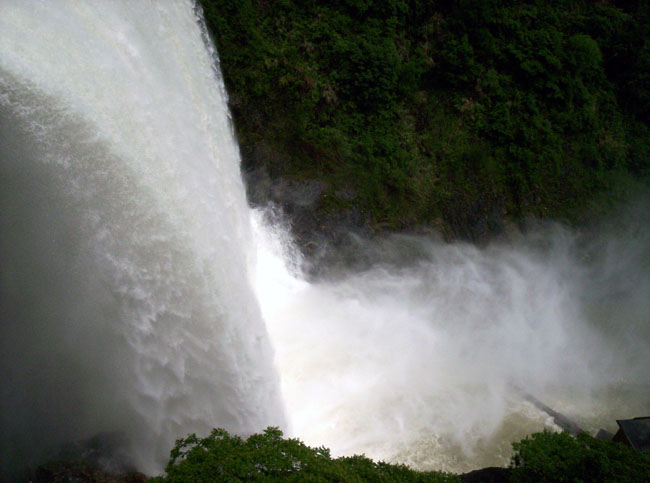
(461, 112)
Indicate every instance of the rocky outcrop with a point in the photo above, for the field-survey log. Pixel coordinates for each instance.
(317, 229)
(104, 458)
(492, 474)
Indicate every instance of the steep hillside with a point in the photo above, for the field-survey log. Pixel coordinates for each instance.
(453, 114)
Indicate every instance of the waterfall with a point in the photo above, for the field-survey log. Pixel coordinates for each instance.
(125, 244)
(140, 294)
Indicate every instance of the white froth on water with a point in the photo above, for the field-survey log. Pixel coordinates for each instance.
(423, 359)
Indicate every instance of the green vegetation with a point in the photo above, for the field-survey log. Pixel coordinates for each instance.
(268, 456)
(463, 111)
(556, 457)
(544, 457)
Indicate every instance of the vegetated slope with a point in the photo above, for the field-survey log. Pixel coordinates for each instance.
(457, 114)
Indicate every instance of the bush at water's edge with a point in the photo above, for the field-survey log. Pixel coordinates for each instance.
(552, 457)
(541, 457)
(548, 457)
(269, 456)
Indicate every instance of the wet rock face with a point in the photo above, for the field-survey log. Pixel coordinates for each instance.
(66, 471)
(298, 193)
(102, 458)
(262, 189)
(326, 222)
(487, 475)
(317, 230)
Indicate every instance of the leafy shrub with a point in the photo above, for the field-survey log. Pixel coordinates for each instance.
(541, 457)
(269, 457)
(557, 457)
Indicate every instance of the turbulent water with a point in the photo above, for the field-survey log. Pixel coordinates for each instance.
(424, 355)
(126, 247)
(137, 296)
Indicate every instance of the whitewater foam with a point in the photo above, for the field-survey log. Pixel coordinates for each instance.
(423, 357)
(126, 240)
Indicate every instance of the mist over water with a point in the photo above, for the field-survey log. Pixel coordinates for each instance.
(422, 355)
(139, 293)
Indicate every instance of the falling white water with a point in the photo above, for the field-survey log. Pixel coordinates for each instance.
(126, 257)
(125, 235)
(422, 358)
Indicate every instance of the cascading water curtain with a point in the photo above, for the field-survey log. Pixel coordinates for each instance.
(126, 242)
(135, 297)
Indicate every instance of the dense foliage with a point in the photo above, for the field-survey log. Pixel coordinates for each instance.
(449, 112)
(269, 456)
(556, 457)
(543, 457)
